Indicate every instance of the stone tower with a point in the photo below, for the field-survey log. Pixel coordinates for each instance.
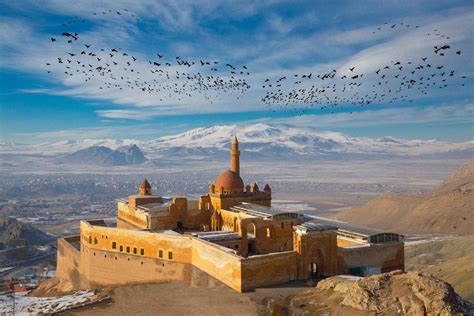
(235, 156)
(144, 188)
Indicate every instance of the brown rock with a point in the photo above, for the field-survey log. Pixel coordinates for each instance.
(411, 293)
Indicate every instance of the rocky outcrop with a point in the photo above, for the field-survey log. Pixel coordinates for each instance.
(12, 231)
(394, 293)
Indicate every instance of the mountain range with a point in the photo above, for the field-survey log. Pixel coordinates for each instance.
(104, 156)
(258, 141)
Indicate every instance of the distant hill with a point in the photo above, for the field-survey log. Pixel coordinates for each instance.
(449, 209)
(12, 231)
(104, 156)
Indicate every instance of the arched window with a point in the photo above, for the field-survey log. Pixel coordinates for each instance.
(251, 229)
(269, 233)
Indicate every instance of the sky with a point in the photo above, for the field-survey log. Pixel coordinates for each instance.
(272, 39)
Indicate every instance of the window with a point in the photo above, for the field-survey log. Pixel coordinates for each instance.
(142, 251)
(160, 253)
(128, 249)
(170, 255)
(114, 245)
(121, 248)
(282, 225)
(236, 246)
(95, 240)
(269, 233)
(135, 250)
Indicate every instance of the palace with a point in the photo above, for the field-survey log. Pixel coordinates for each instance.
(232, 234)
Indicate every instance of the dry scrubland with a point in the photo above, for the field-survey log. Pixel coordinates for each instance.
(450, 260)
(446, 210)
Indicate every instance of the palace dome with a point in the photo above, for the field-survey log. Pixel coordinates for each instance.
(230, 181)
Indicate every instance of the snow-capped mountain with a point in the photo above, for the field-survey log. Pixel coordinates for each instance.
(263, 140)
(270, 140)
(64, 146)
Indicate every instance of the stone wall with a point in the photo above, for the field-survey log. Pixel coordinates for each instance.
(106, 268)
(387, 256)
(217, 261)
(317, 253)
(68, 264)
(177, 211)
(269, 269)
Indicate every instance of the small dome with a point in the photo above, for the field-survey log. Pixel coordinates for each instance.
(145, 184)
(230, 182)
(144, 188)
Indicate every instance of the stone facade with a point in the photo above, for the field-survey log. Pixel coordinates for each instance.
(231, 235)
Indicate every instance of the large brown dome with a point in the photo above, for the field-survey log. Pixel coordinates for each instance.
(230, 181)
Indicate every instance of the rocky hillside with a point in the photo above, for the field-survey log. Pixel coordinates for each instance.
(12, 230)
(446, 210)
(394, 293)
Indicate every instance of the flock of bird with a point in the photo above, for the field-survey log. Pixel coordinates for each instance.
(118, 69)
(180, 78)
(396, 81)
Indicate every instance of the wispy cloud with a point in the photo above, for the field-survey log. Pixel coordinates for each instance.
(278, 44)
(448, 114)
(445, 114)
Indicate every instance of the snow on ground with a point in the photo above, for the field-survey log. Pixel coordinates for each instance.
(417, 240)
(292, 206)
(28, 305)
(349, 277)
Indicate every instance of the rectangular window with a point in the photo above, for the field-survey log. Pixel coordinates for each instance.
(121, 248)
(134, 250)
(114, 245)
(128, 249)
(170, 255)
(142, 251)
(282, 225)
(160, 253)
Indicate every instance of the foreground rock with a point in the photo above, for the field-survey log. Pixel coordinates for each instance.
(395, 293)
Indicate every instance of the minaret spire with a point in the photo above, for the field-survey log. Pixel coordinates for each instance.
(235, 156)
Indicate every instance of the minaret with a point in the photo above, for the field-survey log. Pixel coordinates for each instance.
(234, 156)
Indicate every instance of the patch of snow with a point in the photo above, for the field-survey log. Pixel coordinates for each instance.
(350, 277)
(28, 305)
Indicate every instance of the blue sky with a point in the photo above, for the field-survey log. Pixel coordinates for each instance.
(272, 38)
